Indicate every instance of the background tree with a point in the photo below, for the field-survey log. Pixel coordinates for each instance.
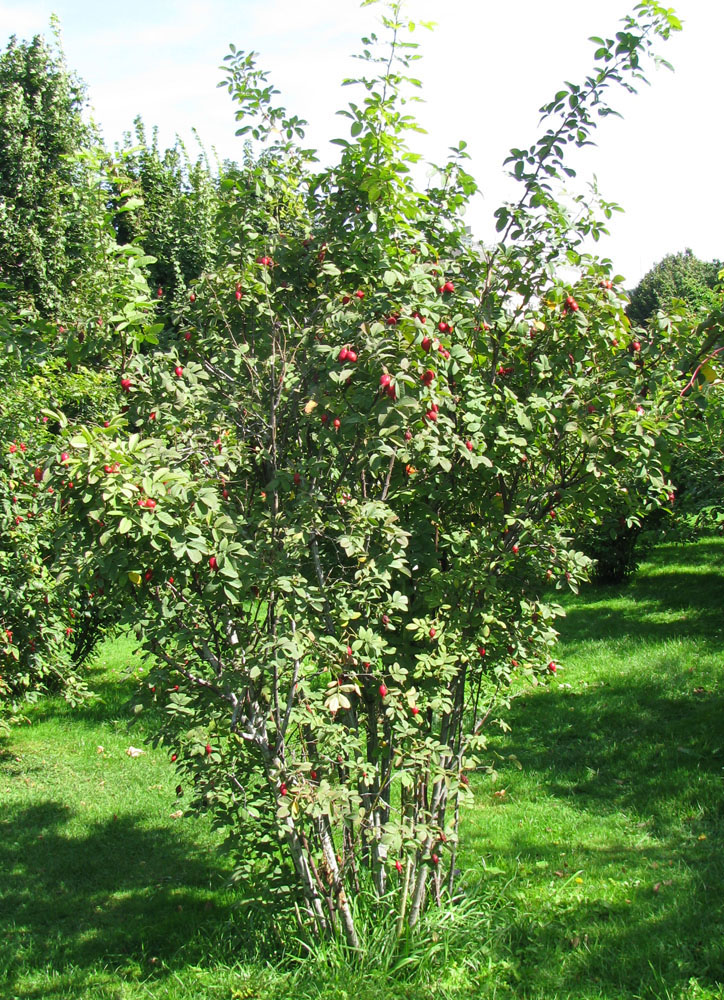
(677, 276)
(50, 205)
(177, 216)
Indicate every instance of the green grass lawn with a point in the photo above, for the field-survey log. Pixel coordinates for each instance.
(595, 871)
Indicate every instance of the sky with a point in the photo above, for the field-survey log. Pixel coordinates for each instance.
(487, 68)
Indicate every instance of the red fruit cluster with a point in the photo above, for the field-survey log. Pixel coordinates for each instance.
(111, 469)
(444, 327)
(148, 502)
(571, 304)
(427, 377)
(265, 261)
(431, 414)
(387, 385)
(347, 354)
(126, 384)
(238, 294)
(447, 287)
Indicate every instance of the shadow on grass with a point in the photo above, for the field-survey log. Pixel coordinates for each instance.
(641, 752)
(124, 896)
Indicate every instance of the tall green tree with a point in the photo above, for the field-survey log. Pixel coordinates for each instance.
(678, 276)
(177, 218)
(51, 208)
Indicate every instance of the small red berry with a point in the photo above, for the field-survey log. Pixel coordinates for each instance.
(469, 445)
(178, 371)
(432, 633)
(213, 563)
(383, 691)
(359, 294)
(208, 749)
(481, 650)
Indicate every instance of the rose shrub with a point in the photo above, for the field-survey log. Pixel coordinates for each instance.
(340, 495)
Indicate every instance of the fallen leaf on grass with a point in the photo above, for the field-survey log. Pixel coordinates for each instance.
(134, 752)
(177, 814)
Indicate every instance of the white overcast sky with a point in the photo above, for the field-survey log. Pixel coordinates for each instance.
(487, 68)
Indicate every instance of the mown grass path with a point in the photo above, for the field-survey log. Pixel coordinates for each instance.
(596, 871)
